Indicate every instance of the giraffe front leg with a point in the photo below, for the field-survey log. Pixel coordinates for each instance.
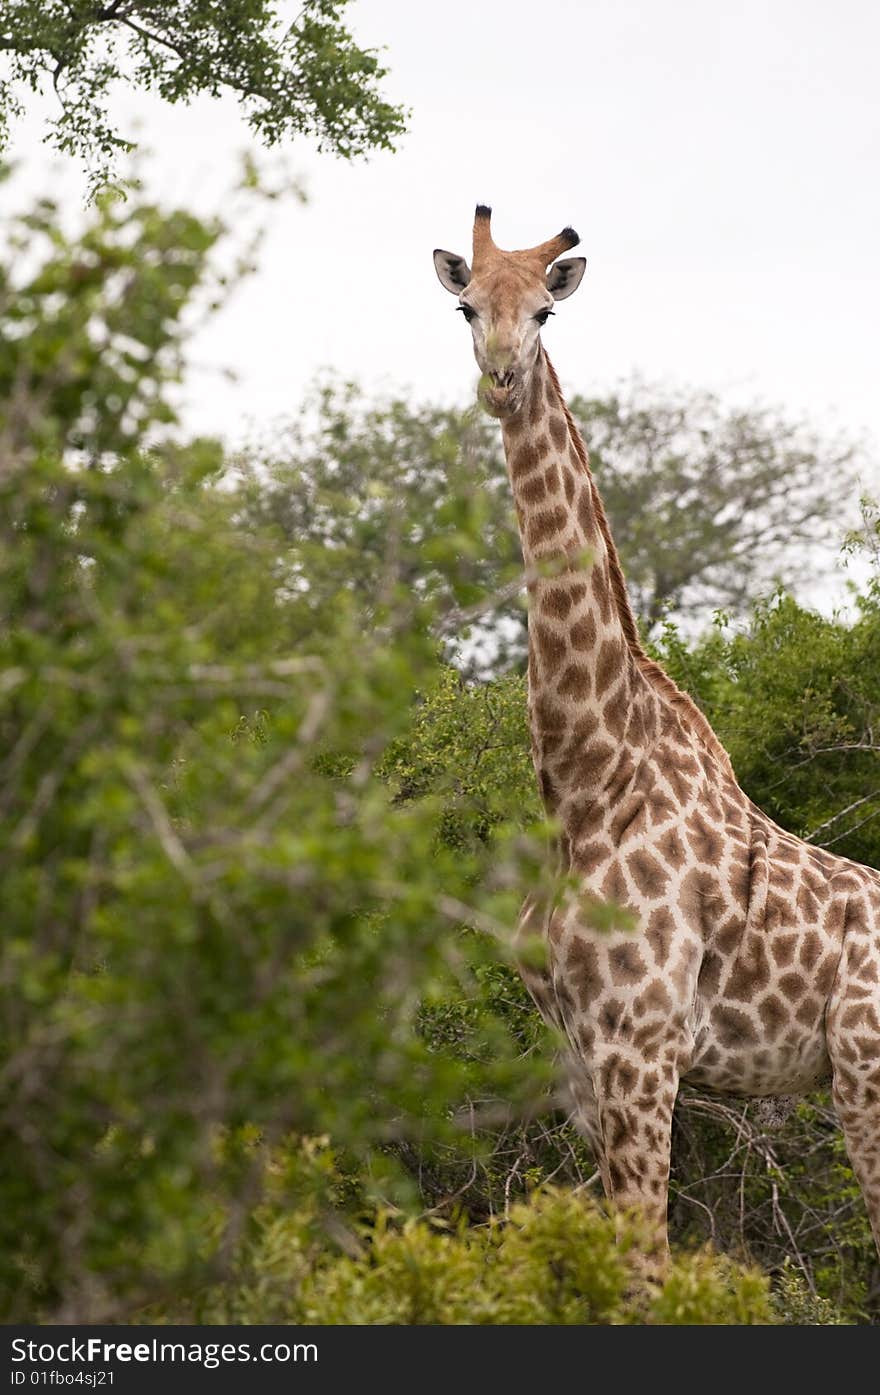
(634, 1103)
(629, 1023)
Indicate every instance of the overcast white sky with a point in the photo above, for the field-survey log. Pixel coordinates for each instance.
(720, 162)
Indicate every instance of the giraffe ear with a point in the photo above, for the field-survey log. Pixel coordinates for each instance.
(565, 277)
(453, 271)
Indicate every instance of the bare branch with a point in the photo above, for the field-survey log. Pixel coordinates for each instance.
(856, 804)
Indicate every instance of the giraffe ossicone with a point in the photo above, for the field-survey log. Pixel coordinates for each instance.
(754, 969)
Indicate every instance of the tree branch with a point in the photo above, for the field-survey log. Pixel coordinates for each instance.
(152, 38)
(856, 804)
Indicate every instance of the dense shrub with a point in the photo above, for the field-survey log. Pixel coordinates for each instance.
(556, 1258)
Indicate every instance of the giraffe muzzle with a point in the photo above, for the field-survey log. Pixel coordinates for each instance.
(500, 400)
(502, 380)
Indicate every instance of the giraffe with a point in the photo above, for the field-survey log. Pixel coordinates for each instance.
(754, 965)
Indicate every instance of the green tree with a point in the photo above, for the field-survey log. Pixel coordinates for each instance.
(709, 507)
(794, 697)
(305, 76)
(351, 479)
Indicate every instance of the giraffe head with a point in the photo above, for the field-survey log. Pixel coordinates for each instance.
(506, 297)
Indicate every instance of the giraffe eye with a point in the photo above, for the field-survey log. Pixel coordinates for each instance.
(543, 315)
(467, 311)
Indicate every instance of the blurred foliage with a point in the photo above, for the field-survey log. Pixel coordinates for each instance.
(219, 916)
(306, 77)
(262, 846)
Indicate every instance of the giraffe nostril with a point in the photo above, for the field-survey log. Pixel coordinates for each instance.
(503, 380)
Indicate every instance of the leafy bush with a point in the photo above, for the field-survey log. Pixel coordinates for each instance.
(556, 1259)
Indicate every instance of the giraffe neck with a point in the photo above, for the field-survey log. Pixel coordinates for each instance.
(588, 701)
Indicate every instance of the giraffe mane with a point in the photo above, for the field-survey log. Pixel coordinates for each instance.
(659, 679)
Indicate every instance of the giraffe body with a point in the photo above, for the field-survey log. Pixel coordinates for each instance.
(754, 967)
